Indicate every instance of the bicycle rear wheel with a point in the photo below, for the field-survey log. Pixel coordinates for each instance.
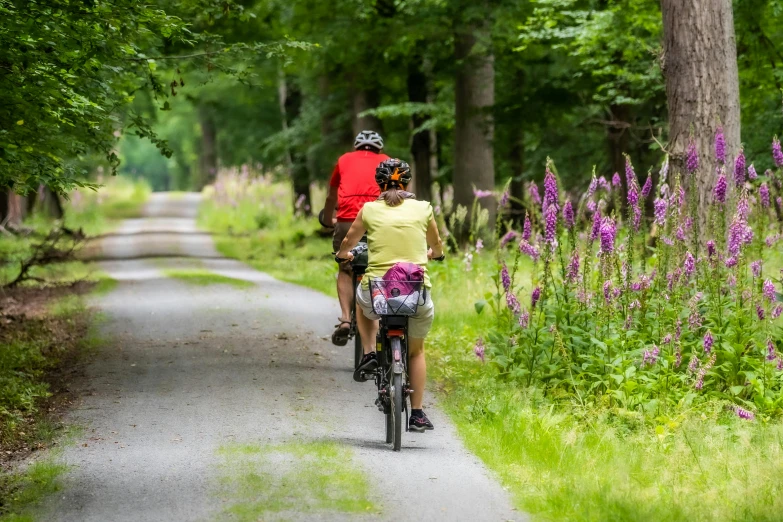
(389, 428)
(396, 395)
(358, 350)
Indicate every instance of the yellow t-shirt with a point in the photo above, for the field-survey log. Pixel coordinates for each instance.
(395, 235)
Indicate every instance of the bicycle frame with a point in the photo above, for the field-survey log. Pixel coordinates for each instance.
(392, 361)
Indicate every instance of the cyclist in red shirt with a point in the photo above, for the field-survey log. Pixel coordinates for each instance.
(352, 185)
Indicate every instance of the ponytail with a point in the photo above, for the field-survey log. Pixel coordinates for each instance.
(394, 196)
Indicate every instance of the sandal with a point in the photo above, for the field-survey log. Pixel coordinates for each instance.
(341, 333)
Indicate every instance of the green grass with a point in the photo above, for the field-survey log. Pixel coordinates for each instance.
(562, 462)
(22, 491)
(99, 212)
(267, 482)
(201, 277)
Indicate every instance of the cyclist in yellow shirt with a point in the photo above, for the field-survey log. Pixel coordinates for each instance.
(398, 228)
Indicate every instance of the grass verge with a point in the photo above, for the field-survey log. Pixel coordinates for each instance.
(202, 277)
(268, 482)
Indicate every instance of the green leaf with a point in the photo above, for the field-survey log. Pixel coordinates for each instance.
(479, 306)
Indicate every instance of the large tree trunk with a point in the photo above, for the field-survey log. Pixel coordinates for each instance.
(702, 82)
(363, 99)
(17, 209)
(420, 141)
(209, 159)
(49, 202)
(474, 97)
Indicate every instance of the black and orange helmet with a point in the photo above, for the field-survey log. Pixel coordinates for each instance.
(393, 173)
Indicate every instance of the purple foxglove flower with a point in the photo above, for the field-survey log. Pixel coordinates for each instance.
(760, 312)
(647, 188)
(616, 181)
(752, 174)
(690, 264)
(732, 279)
(720, 189)
(510, 236)
(535, 196)
(710, 248)
(708, 342)
(592, 188)
(573, 267)
(744, 414)
(677, 330)
(526, 229)
(755, 268)
(479, 245)
(764, 195)
(720, 146)
(604, 184)
(777, 154)
(513, 303)
(479, 194)
(633, 195)
(694, 320)
(595, 232)
(780, 364)
(771, 355)
(667, 339)
(550, 230)
(692, 157)
(777, 311)
(608, 291)
(550, 190)
(731, 262)
(504, 199)
(739, 169)
(680, 233)
(524, 319)
(768, 289)
(630, 175)
(478, 349)
(693, 364)
(505, 278)
(529, 250)
(535, 296)
(591, 206)
(650, 357)
(608, 232)
(678, 357)
(568, 215)
(660, 206)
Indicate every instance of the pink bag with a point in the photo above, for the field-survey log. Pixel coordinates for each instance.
(403, 279)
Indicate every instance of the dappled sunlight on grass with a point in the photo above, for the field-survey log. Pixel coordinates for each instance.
(202, 277)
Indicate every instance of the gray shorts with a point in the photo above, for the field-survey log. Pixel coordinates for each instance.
(419, 325)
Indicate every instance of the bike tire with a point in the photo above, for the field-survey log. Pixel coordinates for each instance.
(389, 428)
(358, 350)
(396, 412)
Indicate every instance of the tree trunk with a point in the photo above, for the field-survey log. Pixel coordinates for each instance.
(290, 106)
(420, 141)
(362, 100)
(474, 97)
(702, 83)
(4, 200)
(209, 159)
(49, 202)
(17, 209)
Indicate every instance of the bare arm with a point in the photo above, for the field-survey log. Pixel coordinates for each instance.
(433, 240)
(352, 238)
(329, 206)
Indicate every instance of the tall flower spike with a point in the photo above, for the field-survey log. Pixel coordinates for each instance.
(691, 157)
(608, 232)
(505, 278)
(764, 195)
(708, 342)
(526, 230)
(720, 146)
(616, 181)
(550, 230)
(689, 264)
(777, 154)
(630, 175)
(568, 215)
(739, 169)
(720, 189)
(535, 196)
(752, 174)
(535, 296)
(478, 349)
(660, 206)
(550, 190)
(596, 231)
(647, 188)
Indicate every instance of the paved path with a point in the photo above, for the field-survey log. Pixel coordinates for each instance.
(187, 369)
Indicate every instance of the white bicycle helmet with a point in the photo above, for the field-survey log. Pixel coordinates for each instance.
(368, 138)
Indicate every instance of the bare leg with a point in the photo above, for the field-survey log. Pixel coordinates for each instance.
(417, 371)
(368, 330)
(345, 293)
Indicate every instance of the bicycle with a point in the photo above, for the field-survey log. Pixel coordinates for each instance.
(358, 268)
